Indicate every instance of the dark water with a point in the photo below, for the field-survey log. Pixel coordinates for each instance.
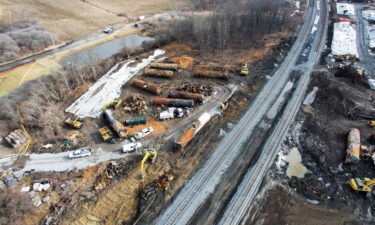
(105, 50)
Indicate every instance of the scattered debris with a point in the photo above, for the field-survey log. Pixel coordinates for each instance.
(25, 189)
(135, 104)
(113, 170)
(206, 90)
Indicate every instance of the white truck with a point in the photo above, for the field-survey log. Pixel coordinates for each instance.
(131, 147)
(143, 133)
(172, 112)
(79, 153)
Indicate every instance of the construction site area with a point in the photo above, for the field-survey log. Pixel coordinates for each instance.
(214, 113)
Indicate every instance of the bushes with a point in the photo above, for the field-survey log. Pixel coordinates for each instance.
(23, 37)
(13, 206)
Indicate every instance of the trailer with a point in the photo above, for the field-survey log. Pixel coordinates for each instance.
(135, 121)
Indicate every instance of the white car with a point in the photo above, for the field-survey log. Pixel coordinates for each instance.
(143, 133)
(131, 147)
(79, 153)
(108, 30)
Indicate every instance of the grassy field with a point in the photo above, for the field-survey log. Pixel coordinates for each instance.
(76, 19)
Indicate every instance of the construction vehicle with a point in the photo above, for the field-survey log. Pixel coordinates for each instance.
(119, 129)
(113, 104)
(364, 184)
(371, 123)
(107, 134)
(244, 70)
(74, 123)
(224, 105)
(172, 112)
(150, 154)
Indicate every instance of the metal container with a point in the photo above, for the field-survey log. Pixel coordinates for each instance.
(150, 87)
(354, 146)
(165, 66)
(210, 74)
(173, 102)
(198, 98)
(159, 73)
(192, 131)
(136, 120)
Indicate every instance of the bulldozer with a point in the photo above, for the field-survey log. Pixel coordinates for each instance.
(244, 70)
(371, 123)
(107, 134)
(224, 105)
(74, 123)
(364, 184)
(150, 154)
(113, 104)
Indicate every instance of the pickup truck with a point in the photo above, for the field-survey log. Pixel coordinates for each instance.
(143, 133)
(79, 153)
(131, 147)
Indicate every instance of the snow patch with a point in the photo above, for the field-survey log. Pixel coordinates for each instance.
(311, 96)
(345, 9)
(369, 14)
(371, 35)
(108, 88)
(344, 39)
(316, 21)
(298, 4)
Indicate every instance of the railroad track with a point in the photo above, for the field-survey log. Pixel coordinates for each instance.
(203, 183)
(240, 203)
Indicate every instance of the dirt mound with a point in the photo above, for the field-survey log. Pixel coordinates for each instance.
(183, 62)
(352, 76)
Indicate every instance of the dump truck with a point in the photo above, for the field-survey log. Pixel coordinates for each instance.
(119, 129)
(75, 123)
(106, 134)
(354, 146)
(192, 131)
(135, 121)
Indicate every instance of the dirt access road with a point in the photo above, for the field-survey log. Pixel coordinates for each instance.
(77, 19)
(199, 187)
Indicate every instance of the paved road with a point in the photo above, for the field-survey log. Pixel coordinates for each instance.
(366, 59)
(203, 183)
(237, 210)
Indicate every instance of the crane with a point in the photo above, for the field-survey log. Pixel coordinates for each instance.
(364, 184)
(150, 154)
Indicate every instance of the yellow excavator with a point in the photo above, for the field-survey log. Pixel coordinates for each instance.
(113, 104)
(150, 154)
(364, 184)
(371, 123)
(244, 70)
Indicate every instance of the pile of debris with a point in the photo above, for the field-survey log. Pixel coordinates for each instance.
(17, 138)
(135, 104)
(114, 170)
(206, 90)
(11, 177)
(147, 196)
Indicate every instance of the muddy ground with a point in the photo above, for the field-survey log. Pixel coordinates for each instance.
(343, 97)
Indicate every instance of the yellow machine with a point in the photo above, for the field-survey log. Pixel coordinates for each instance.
(106, 133)
(244, 70)
(113, 104)
(371, 123)
(364, 184)
(224, 105)
(74, 123)
(149, 155)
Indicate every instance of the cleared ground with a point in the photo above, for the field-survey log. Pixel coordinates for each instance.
(76, 19)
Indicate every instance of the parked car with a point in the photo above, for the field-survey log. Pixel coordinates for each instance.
(108, 30)
(143, 133)
(79, 153)
(131, 147)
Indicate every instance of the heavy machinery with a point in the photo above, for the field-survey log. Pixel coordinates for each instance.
(371, 123)
(113, 104)
(364, 184)
(150, 154)
(107, 134)
(244, 70)
(224, 105)
(74, 123)
(135, 121)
